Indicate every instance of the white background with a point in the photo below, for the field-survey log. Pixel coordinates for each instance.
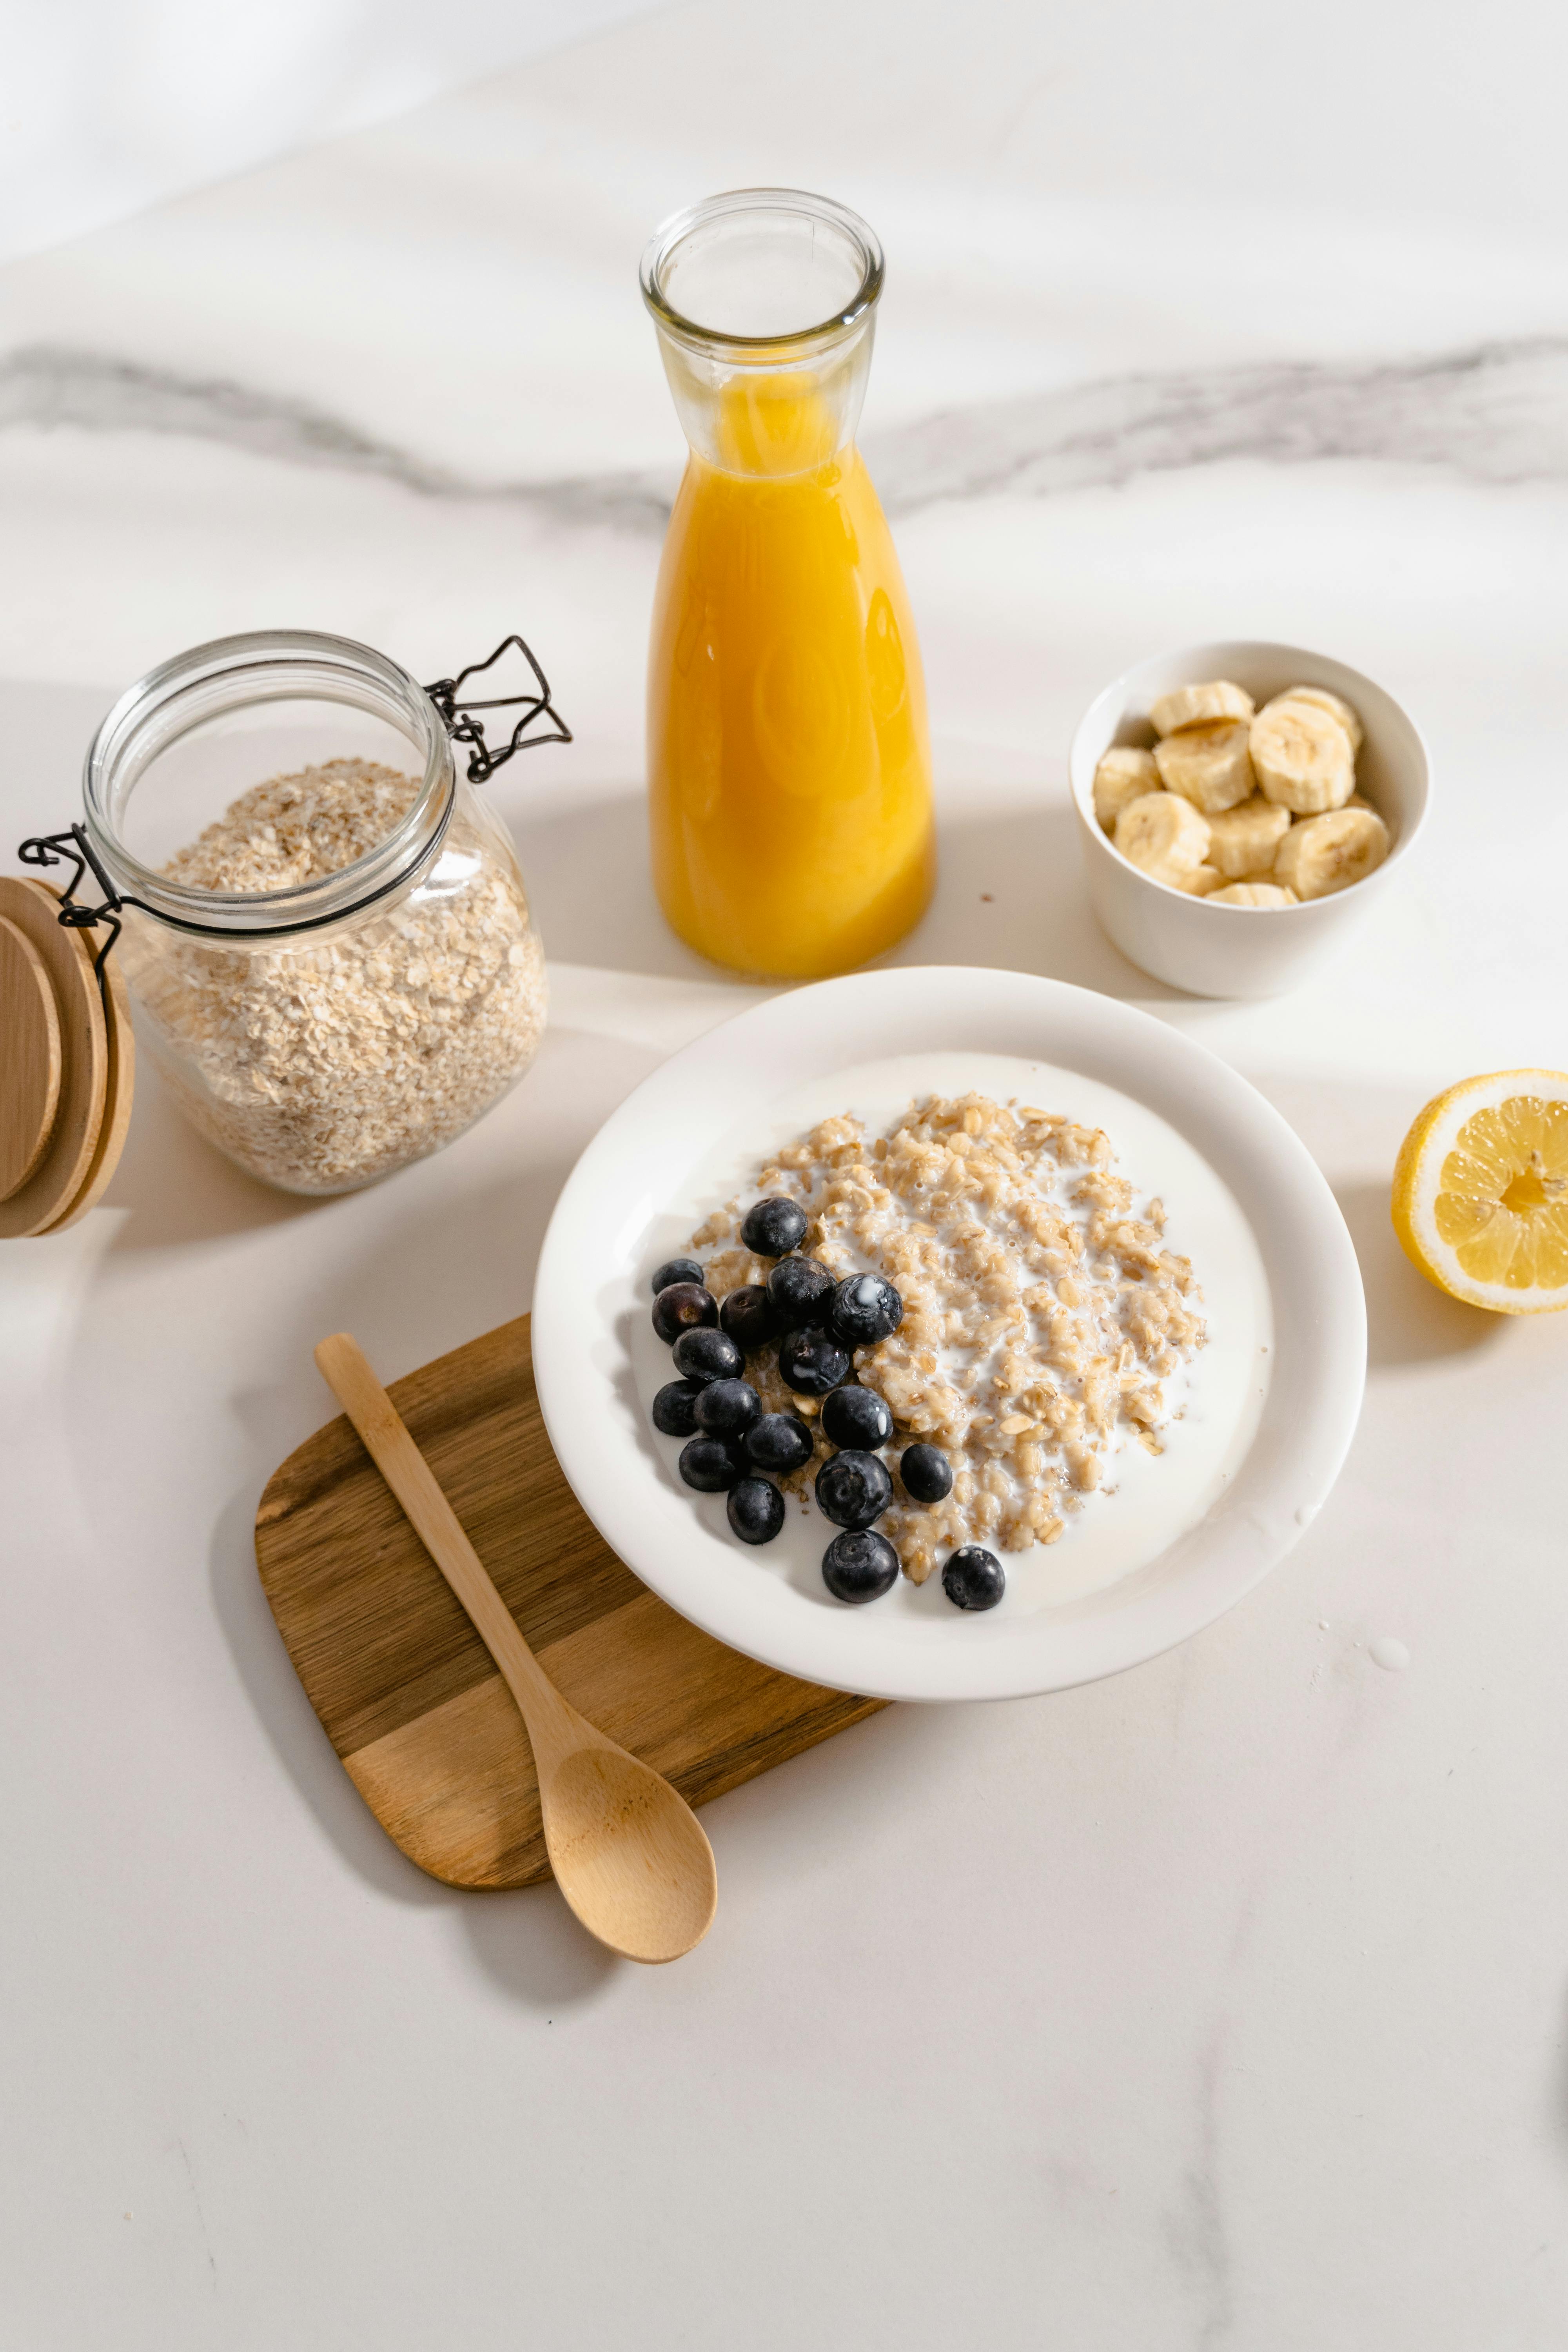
(108, 105)
(1219, 2008)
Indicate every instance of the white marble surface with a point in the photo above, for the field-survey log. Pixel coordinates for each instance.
(1219, 2006)
(108, 106)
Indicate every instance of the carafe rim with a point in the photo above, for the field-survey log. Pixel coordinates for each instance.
(793, 343)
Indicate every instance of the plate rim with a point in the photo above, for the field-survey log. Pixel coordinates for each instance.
(1133, 1627)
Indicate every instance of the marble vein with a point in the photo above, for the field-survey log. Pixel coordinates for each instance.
(47, 386)
(1495, 412)
(1197, 2232)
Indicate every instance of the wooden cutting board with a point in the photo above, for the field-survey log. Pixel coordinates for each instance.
(403, 1686)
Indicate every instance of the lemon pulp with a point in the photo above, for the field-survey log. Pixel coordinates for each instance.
(1502, 1203)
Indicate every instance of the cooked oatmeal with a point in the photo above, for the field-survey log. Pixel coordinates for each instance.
(320, 1063)
(1043, 1314)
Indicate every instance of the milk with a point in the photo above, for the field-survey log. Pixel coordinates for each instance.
(1212, 1405)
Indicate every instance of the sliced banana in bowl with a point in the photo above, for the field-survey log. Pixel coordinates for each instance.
(1191, 706)
(1243, 840)
(1208, 765)
(1334, 704)
(1123, 774)
(1163, 835)
(1265, 782)
(1302, 755)
(1255, 894)
(1332, 852)
(1259, 783)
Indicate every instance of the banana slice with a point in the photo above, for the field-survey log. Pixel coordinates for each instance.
(1208, 765)
(1190, 706)
(1302, 756)
(1122, 776)
(1322, 699)
(1254, 893)
(1243, 840)
(1331, 852)
(1200, 884)
(1165, 834)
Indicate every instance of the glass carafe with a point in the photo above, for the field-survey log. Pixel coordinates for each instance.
(789, 765)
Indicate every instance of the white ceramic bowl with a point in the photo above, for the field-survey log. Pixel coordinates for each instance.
(662, 1160)
(1242, 950)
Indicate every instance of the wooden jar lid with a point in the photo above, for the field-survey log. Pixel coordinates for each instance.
(32, 1035)
(66, 1066)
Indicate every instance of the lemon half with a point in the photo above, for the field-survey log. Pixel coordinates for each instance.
(1481, 1191)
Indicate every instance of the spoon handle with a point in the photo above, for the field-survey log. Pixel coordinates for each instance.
(554, 1726)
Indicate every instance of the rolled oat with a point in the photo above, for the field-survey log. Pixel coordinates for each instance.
(1043, 1314)
(320, 1061)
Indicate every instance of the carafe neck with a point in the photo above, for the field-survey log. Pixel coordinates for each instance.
(765, 302)
(770, 423)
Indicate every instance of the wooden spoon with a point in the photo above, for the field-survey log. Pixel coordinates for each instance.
(628, 1853)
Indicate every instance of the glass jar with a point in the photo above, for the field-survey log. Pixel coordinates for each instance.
(789, 766)
(326, 939)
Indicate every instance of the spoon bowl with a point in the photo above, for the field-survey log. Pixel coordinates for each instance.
(628, 1853)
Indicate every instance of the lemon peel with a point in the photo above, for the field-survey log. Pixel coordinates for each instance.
(1479, 1198)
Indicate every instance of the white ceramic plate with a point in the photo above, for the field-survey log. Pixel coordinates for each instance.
(1266, 1418)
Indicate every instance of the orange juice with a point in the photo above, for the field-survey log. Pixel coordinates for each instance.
(789, 768)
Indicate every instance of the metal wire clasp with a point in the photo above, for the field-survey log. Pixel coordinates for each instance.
(458, 713)
(57, 849)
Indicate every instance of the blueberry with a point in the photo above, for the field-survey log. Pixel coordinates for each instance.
(811, 1363)
(779, 1443)
(927, 1475)
(704, 1355)
(672, 1406)
(973, 1578)
(677, 1269)
(856, 1416)
(726, 1408)
(756, 1510)
(775, 1227)
(683, 1306)
(800, 1291)
(707, 1464)
(864, 1309)
(859, 1565)
(853, 1489)
(749, 1316)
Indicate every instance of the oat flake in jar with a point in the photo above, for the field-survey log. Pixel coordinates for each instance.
(323, 929)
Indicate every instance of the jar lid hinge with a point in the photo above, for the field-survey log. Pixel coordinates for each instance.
(73, 845)
(458, 713)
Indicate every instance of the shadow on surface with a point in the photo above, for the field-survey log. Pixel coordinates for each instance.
(286, 1715)
(588, 882)
(1010, 896)
(416, 1286)
(1408, 1319)
(177, 1187)
(531, 1945)
(526, 1940)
